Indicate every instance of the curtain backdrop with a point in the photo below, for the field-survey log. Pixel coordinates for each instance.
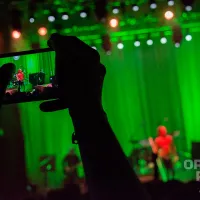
(144, 86)
(34, 63)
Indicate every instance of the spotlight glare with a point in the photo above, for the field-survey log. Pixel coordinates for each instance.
(137, 43)
(149, 42)
(16, 57)
(113, 23)
(65, 17)
(153, 5)
(31, 20)
(188, 8)
(42, 31)
(177, 45)
(188, 37)
(135, 8)
(115, 11)
(51, 18)
(83, 14)
(170, 3)
(163, 40)
(16, 34)
(94, 47)
(169, 15)
(120, 46)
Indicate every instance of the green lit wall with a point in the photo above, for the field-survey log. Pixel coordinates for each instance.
(143, 86)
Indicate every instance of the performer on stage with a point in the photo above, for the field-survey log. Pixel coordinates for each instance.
(71, 163)
(164, 147)
(20, 79)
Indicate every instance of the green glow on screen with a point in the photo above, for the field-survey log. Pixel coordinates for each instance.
(142, 85)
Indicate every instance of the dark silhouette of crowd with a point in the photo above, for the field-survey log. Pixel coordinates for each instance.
(158, 190)
(109, 176)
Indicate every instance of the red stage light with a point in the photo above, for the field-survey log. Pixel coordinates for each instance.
(16, 34)
(113, 23)
(42, 31)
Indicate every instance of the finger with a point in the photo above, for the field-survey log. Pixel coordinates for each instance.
(6, 73)
(51, 106)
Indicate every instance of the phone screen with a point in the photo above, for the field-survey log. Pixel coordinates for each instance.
(34, 78)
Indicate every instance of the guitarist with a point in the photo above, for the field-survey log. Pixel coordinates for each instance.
(163, 146)
(71, 163)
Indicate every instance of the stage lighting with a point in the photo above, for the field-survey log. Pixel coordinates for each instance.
(113, 23)
(16, 57)
(83, 14)
(188, 37)
(153, 4)
(163, 40)
(135, 7)
(101, 10)
(177, 45)
(137, 43)
(188, 8)
(32, 7)
(188, 4)
(120, 45)
(31, 20)
(115, 10)
(149, 42)
(51, 18)
(93, 46)
(170, 2)
(169, 15)
(16, 34)
(65, 16)
(106, 43)
(42, 31)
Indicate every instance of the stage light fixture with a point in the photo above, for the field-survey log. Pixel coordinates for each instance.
(177, 44)
(120, 45)
(188, 37)
(31, 20)
(113, 23)
(153, 4)
(16, 34)
(115, 10)
(149, 42)
(83, 14)
(135, 7)
(188, 8)
(188, 5)
(137, 43)
(94, 47)
(32, 7)
(170, 2)
(106, 43)
(169, 15)
(163, 40)
(42, 31)
(51, 17)
(16, 57)
(65, 16)
(101, 11)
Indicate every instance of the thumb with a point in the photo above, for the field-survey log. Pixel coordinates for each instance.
(52, 106)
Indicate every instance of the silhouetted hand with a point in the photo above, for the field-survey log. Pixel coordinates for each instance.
(6, 72)
(79, 74)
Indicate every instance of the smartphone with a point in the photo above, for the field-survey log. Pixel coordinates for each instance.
(34, 78)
